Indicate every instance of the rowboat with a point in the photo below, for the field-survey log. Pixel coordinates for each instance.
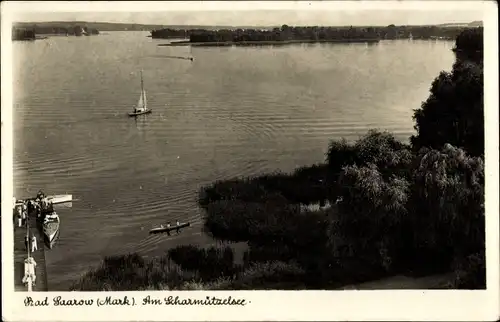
(158, 230)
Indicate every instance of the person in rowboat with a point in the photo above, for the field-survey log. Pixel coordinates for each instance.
(168, 227)
(177, 228)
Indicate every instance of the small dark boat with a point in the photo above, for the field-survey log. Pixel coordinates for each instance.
(162, 229)
(139, 112)
(50, 226)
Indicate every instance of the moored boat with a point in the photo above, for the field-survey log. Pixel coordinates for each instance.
(55, 199)
(50, 227)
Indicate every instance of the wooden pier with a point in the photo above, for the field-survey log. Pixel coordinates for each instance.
(21, 253)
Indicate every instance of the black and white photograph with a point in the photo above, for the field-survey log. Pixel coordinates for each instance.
(329, 148)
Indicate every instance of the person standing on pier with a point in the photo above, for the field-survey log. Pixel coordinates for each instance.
(29, 271)
(19, 216)
(38, 210)
(26, 242)
(34, 245)
(24, 214)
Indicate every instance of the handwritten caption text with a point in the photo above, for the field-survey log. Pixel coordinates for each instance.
(131, 301)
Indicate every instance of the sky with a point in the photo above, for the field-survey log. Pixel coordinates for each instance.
(237, 14)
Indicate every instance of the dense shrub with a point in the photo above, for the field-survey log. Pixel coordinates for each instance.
(379, 148)
(210, 264)
(131, 272)
(270, 275)
(470, 272)
(289, 188)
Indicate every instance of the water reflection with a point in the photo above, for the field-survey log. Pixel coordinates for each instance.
(140, 123)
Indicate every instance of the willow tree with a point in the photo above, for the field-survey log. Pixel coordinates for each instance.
(447, 202)
(370, 215)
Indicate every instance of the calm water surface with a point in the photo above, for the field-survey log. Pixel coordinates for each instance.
(230, 112)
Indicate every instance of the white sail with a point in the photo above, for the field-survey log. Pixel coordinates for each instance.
(140, 103)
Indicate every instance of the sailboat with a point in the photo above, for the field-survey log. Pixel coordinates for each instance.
(142, 105)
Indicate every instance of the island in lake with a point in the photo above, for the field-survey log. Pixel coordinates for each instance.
(33, 31)
(310, 34)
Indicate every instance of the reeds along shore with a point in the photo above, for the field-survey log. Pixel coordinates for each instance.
(415, 209)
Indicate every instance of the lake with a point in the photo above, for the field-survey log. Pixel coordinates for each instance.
(236, 111)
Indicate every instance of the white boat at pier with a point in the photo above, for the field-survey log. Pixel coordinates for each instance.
(55, 199)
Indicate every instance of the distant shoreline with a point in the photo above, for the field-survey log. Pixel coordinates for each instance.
(30, 39)
(271, 42)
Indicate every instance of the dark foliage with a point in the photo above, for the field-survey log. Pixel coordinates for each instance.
(278, 187)
(448, 201)
(210, 264)
(454, 112)
(131, 272)
(318, 33)
(270, 275)
(23, 34)
(382, 149)
(469, 45)
(169, 33)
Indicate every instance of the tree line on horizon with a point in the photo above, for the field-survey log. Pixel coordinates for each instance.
(389, 207)
(310, 33)
(29, 32)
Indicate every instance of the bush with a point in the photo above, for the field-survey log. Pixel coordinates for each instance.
(210, 264)
(379, 148)
(470, 273)
(270, 275)
(130, 273)
(306, 185)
